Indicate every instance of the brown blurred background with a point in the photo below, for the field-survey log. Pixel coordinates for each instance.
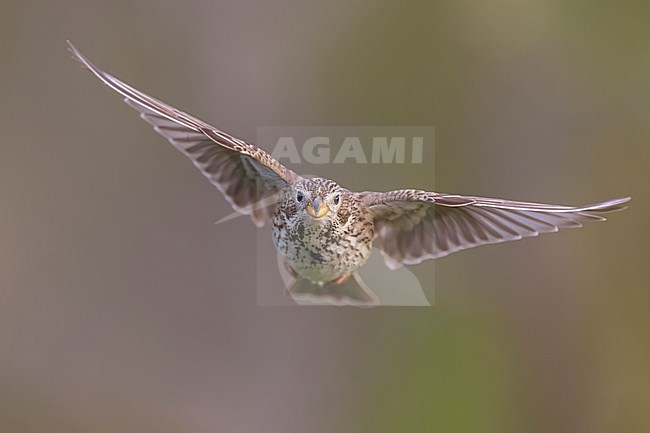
(124, 309)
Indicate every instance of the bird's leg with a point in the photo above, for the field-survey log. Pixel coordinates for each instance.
(290, 270)
(341, 279)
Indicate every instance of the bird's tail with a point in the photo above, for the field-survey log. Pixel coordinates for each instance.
(353, 292)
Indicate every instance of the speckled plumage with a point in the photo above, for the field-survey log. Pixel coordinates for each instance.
(324, 239)
(326, 248)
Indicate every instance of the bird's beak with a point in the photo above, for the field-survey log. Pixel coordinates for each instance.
(316, 209)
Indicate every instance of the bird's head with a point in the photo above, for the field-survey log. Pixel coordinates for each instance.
(318, 199)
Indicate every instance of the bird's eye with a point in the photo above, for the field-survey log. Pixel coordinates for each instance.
(337, 199)
(299, 196)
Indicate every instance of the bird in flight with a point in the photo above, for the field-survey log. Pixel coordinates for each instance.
(325, 232)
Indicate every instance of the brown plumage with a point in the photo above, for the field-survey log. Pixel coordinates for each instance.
(325, 232)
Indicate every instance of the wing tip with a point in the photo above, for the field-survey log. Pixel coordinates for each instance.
(85, 63)
(75, 53)
(612, 205)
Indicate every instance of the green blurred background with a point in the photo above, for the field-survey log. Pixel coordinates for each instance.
(124, 309)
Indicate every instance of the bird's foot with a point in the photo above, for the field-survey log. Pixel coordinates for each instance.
(290, 270)
(341, 279)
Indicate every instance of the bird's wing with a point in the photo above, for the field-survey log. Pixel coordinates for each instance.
(246, 175)
(415, 225)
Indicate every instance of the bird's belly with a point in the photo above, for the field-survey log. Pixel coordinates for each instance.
(320, 255)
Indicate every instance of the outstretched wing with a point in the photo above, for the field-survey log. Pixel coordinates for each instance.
(248, 177)
(414, 225)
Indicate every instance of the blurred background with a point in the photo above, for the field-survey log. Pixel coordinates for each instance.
(124, 308)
